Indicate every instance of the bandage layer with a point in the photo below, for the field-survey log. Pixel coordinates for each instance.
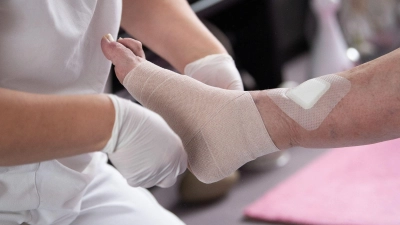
(221, 130)
(312, 101)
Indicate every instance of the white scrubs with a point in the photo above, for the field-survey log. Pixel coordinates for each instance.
(53, 47)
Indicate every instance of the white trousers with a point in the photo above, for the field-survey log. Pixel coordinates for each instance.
(49, 193)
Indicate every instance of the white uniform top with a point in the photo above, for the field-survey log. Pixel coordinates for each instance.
(52, 47)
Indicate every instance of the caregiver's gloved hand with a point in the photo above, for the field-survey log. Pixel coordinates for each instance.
(217, 70)
(143, 148)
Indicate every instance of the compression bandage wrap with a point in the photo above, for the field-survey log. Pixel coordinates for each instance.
(220, 129)
(311, 102)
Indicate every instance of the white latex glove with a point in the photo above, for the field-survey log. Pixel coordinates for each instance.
(217, 70)
(143, 148)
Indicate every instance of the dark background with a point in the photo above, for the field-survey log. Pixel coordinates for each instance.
(261, 35)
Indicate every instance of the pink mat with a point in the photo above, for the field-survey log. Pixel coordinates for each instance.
(355, 185)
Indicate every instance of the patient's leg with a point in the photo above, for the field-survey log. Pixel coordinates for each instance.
(223, 129)
(369, 113)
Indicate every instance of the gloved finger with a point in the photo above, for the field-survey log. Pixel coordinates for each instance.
(167, 182)
(171, 178)
(236, 85)
(133, 182)
(134, 45)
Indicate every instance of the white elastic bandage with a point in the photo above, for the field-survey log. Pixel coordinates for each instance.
(220, 129)
(310, 103)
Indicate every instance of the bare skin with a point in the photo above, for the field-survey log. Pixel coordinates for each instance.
(181, 39)
(367, 114)
(42, 127)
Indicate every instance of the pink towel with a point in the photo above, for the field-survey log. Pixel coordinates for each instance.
(355, 185)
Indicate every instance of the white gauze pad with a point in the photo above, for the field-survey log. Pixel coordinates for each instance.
(310, 103)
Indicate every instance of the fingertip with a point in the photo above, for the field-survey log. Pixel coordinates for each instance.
(167, 182)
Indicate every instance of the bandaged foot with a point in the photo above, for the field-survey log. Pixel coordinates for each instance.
(358, 109)
(221, 129)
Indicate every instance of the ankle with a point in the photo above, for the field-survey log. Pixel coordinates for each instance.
(281, 128)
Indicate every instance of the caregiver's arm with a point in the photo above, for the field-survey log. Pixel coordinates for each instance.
(41, 127)
(171, 29)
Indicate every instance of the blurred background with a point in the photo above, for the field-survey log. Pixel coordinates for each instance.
(280, 43)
